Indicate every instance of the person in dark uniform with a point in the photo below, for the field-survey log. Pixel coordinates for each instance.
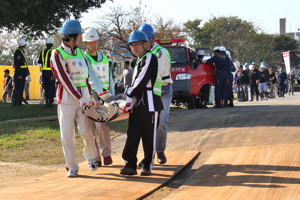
(47, 74)
(144, 104)
(254, 80)
(282, 81)
(21, 71)
(221, 65)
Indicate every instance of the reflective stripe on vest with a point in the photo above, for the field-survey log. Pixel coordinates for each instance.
(157, 84)
(155, 51)
(77, 67)
(23, 66)
(101, 69)
(45, 62)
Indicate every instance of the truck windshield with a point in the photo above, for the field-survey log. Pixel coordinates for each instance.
(178, 55)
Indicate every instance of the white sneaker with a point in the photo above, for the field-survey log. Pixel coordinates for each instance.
(93, 165)
(72, 173)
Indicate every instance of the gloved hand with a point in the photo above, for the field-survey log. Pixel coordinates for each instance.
(82, 102)
(129, 103)
(92, 100)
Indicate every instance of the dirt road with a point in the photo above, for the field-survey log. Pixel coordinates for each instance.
(267, 122)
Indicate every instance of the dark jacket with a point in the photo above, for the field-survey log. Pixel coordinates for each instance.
(254, 76)
(220, 61)
(271, 76)
(8, 82)
(242, 78)
(264, 76)
(142, 86)
(19, 60)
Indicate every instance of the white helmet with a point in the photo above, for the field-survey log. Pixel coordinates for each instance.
(228, 53)
(200, 53)
(90, 35)
(217, 48)
(222, 48)
(21, 42)
(49, 40)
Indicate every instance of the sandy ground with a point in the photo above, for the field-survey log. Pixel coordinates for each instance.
(267, 122)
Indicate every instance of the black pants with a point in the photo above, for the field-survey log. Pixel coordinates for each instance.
(49, 85)
(143, 126)
(254, 87)
(20, 85)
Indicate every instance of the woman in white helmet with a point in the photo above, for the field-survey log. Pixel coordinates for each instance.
(100, 80)
(69, 65)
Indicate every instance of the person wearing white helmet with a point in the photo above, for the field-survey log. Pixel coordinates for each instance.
(264, 79)
(70, 66)
(101, 82)
(21, 72)
(200, 56)
(48, 77)
(164, 66)
(221, 65)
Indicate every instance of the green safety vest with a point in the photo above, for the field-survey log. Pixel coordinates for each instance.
(101, 69)
(23, 66)
(159, 47)
(157, 84)
(45, 61)
(77, 67)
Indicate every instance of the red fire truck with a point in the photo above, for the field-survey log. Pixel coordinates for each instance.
(187, 78)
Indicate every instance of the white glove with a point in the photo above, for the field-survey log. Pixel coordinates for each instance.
(82, 102)
(130, 101)
(92, 100)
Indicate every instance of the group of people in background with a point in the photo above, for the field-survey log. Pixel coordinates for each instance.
(263, 83)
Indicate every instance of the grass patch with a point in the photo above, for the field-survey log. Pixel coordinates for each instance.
(7, 112)
(38, 142)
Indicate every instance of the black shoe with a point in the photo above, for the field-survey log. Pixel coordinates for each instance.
(161, 158)
(145, 172)
(128, 171)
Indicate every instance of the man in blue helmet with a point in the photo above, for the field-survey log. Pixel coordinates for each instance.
(144, 104)
(69, 65)
(254, 80)
(221, 65)
(164, 66)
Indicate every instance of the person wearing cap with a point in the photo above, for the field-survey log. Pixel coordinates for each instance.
(264, 79)
(21, 72)
(282, 82)
(70, 66)
(272, 81)
(144, 104)
(221, 65)
(254, 80)
(243, 82)
(291, 82)
(47, 74)
(164, 67)
(101, 83)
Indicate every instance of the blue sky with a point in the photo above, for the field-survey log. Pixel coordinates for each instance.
(264, 13)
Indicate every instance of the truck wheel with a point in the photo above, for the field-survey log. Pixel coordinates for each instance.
(191, 102)
(197, 102)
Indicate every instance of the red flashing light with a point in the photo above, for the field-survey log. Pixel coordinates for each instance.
(169, 41)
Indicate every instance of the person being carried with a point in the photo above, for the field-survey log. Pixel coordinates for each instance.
(144, 103)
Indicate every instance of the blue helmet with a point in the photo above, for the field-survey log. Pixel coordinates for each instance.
(263, 63)
(246, 64)
(148, 30)
(254, 63)
(276, 72)
(293, 71)
(137, 36)
(71, 27)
